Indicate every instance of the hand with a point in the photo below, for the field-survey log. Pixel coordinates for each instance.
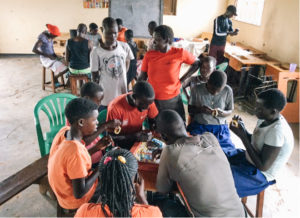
(220, 111)
(144, 136)
(140, 190)
(240, 129)
(206, 109)
(156, 154)
(104, 142)
(112, 124)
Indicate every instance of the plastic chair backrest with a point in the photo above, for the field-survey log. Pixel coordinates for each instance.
(102, 116)
(54, 107)
(222, 66)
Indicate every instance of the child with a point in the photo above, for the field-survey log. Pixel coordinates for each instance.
(44, 48)
(78, 52)
(151, 27)
(69, 165)
(209, 105)
(267, 149)
(131, 73)
(162, 66)
(94, 92)
(110, 63)
(118, 168)
(132, 109)
(121, 30)
(93, 35)
(207, 66)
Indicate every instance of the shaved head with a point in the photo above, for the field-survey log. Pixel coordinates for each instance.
(170, 124)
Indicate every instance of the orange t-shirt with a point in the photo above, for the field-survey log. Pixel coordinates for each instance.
(138, 210)
(121, 35)
(163, 71)
(68, 160)
(132, 119)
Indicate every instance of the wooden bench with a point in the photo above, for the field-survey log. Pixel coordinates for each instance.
(32, 174)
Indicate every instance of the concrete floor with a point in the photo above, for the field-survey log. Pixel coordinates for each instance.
(21, 89)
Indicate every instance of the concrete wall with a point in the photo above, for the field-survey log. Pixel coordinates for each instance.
(278, 34)
(21, 21)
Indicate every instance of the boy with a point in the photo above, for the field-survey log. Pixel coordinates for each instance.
(131, 73)
(162, 67)
(110, 63)
(198, 164)
(69, 165)
(267, 150)
(222, 28)
(210, 103)
(48, 58)
(121, 30)
(132, 109)
(151, 27)
(93, 35)
(94, 92)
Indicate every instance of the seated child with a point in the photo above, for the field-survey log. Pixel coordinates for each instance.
(151, 27)
(132, 109)
(267, 149)
(210, 103)
(131, 73)
(78, 52)
(93, 35)
(207, 66)
(44, 48)
(94, 92)
(69, 164)
(118, 168)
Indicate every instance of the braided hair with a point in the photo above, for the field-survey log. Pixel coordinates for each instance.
(116, 182)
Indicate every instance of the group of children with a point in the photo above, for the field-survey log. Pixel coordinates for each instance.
(200, 158)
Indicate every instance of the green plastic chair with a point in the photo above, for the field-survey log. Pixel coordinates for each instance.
(102, 116)
(54, 107)
(223, 66)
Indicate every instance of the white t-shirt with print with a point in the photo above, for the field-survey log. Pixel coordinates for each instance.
(278, 134)
(112, 69)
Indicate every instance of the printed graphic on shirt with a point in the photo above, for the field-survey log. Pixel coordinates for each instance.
(113, 66)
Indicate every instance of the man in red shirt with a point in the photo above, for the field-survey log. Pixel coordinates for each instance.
(121, 30)
(132, 109)
(162, 68)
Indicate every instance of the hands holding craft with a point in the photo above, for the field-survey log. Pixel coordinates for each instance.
(237, 126)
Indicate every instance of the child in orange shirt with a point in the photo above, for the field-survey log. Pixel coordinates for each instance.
(118, 169)
(69, 165)
(121, 30)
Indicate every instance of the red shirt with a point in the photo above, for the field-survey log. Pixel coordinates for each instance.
(163, 71)
(121, 35)
(132, 119)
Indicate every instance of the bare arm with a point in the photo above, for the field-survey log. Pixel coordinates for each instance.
(127, 64)
(143, 76)
(195, 66)
(96, 76)
(83, 185)
(67, 55)
(36, 50)
(263, 160)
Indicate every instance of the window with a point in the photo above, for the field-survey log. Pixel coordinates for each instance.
(250, 11)
(170, 7)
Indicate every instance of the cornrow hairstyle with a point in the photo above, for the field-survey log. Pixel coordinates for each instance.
(165, 32)
(90, 89)
(116, 183)
(273, 99)
(79, 108)
(217, 79)
(81, 28)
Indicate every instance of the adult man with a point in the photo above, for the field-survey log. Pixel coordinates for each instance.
(132, 109)
(199, 166)
(222, 28)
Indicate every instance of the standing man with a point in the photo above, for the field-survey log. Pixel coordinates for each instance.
(222, 28)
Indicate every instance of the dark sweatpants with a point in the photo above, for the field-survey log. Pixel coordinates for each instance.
(217, 51)
(171, 104)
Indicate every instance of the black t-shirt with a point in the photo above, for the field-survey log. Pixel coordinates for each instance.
(222, 25)
(79, 54)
